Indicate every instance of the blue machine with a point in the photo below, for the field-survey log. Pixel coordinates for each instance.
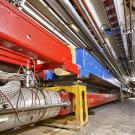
(90, 65)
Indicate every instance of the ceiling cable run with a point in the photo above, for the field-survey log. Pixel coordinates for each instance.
(115, 27)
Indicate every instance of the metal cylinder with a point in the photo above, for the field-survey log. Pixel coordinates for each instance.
(29, 106)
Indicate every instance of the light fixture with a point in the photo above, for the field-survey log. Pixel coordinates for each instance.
(74, 27)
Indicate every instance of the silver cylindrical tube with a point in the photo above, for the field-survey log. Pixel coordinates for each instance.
(29, 106)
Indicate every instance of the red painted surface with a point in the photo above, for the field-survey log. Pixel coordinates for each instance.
(96, 99)
(20, 32)
(12, 57)
(65, 96)
(93, 100)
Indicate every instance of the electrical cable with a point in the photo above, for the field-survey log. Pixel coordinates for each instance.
(33, 100)
(20, 93)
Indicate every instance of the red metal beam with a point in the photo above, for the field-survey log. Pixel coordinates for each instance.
(46, 66)
(12, 57)
(19, 32)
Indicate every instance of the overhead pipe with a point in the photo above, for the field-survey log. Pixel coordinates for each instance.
(130, 19)
(120, 8)
(72, 31)
(77, 4)
(54, 30)
(76, 17)
(130, 14)
(73, 35)
(129, 30)
(125, 15)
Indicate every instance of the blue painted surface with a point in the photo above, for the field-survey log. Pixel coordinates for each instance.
(90, 65)
(49, 75)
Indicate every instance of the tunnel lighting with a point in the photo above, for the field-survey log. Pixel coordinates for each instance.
(133, 79)
(74, 27)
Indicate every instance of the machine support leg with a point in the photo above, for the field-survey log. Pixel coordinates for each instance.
(80, 107)
(121, 94)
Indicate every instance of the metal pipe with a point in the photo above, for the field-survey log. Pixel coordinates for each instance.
(27, 109)
(121, 19)
(92, 19)
(130, 36)
(125, 14)
(79, 21)
(127, 36)
(56, 22)
(93, 25)
(130, 14)
(76, 3)
(45, 24)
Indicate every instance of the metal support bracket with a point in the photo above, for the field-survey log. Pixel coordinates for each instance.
(80, 104)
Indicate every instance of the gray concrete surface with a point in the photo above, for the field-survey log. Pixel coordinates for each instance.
(111, 119)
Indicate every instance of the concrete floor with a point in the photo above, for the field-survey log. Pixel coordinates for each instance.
(111, 119)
